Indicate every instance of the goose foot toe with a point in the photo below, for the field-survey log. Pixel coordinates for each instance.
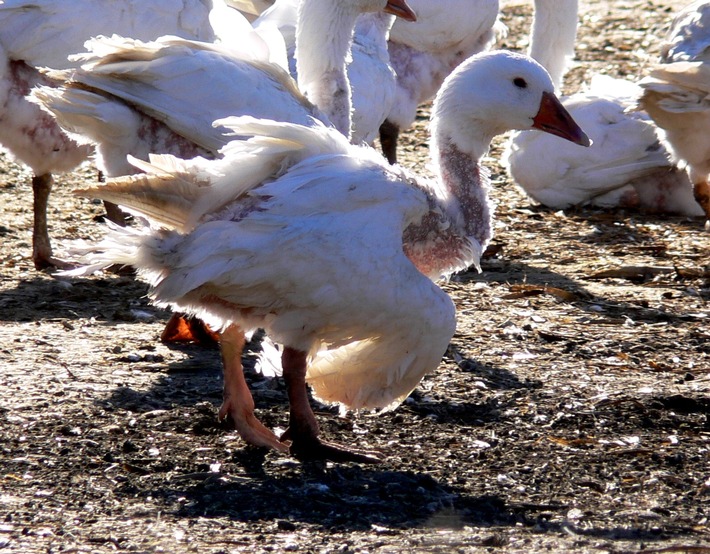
(310, 448)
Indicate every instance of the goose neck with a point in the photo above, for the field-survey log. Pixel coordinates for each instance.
(464, 191)
(324, 33)
(453, 234)
(553, 36)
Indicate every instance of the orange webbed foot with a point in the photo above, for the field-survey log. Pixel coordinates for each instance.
(182, 328)
(701, 191)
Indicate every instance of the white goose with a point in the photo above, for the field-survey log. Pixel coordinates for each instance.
(328, 247)
(42, 33)
(677, 95)
(626, 165)
(418, 57)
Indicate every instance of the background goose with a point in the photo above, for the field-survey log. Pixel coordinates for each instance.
(368, 64)
(135, 97)
(328, 247)
(424, 52)
(42, 33)
(676, 95)
(626, 165)
(421, 54)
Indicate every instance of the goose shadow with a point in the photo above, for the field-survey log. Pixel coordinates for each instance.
(44, 296)
(197, 383)
(347, 498)
(341, 497)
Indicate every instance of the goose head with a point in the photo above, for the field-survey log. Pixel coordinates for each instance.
(400, 8)
(492, 93)
(334, 15)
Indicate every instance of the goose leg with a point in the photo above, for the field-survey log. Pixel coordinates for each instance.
(115, 214)
(238, 402)
(389, 133)
(701, 191)
(41, 245)
(303, 428)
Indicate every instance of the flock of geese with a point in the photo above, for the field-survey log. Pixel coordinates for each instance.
(240, 137)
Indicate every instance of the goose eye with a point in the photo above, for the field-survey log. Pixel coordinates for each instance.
(520, 82)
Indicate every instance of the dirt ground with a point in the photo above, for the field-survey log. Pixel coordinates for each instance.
(570, 413)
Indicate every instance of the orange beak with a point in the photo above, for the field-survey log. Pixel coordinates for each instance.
(553, 118)
(400, 8)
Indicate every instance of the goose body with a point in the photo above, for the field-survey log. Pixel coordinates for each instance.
(43, 33)
(326, 246)
(626, 166)
(134, 97)
(425, 52)
(677, 92)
